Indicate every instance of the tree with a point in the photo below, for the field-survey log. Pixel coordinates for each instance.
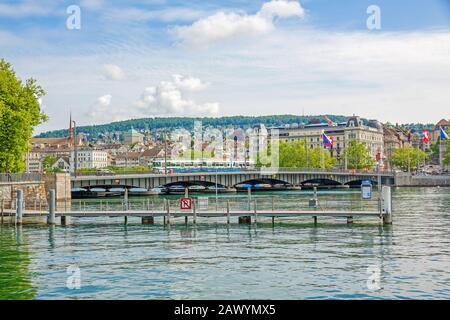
(408, 157)
(295, 154)
(48, 162)
(20, 113)
(358, 155)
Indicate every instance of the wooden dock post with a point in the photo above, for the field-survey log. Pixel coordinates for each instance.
(126, 219)
(148, 220)
(228, 211)
(64, 220)
(315, 220)
(255, 211)
(19, 207)
(125, 200)
(51, 207)
(194, 213)
(273, 203)
(245, 220)
(387, 204)
(249, 198)
(168, 210)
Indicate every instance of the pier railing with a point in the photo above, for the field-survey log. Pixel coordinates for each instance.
(242, 207)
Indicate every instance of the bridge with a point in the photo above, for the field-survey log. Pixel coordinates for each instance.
(296, 177)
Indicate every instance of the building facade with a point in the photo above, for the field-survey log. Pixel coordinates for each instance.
(354, 129)
(87, 158)
(132, 136)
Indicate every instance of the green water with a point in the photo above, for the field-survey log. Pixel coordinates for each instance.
(291, 260)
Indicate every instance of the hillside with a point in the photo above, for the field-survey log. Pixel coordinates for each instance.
(187, 122)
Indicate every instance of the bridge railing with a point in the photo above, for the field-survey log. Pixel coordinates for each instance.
(247, 170)
(20, 177)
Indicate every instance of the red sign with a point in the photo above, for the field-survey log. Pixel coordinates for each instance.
(186, 203)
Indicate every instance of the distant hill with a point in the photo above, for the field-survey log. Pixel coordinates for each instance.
(94, 131)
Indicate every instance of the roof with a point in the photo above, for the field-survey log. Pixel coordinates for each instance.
(153, 152)
(443, 122)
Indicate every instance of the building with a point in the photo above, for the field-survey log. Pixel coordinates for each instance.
(354, 129)
(149, 156)
(62, 163)
(445, 124)
(393, 138)
(132, 136)
(87, 158)
(127, 160)
(35, 157)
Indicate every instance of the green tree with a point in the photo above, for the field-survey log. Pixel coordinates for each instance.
(48, 162)
(320, 158)
(19, 114)
(358, 155)
(295, 154)
(408, 157)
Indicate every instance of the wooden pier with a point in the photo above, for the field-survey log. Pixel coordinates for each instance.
(245, 216)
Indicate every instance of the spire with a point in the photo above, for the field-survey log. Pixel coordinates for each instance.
(70, 128)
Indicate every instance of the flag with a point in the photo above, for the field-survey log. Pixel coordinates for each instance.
(443, 134)
(327, 140)
(426, 135)
(409, 135)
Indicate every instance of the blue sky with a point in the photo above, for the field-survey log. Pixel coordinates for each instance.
(146, 58)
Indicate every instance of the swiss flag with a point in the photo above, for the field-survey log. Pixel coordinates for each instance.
(426, 136)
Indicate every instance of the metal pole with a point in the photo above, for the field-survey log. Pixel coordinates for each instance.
(19, 207)
(51, 207)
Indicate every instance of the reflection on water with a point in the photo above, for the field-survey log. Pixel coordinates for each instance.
(289, 260)
(15, 277)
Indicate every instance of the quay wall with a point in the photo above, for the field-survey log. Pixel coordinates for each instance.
(408, 180)
(35, 192)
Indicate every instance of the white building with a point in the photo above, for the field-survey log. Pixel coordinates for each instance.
(89, 159)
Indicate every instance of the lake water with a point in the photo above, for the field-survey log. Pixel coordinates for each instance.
(291, 260)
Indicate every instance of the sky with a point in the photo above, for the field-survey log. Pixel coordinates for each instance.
(118, 60)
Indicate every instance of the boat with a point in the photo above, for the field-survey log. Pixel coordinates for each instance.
(176, 189)
(142, 192)
(115, 192)
(196, 188)
(220, 189)
(159, 190)
(82, 193)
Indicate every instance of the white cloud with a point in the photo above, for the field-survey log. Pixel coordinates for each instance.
(224, 25)
(92, 4)
(100, 110)
(113, 72)
(26, 8)
(166, 15)
(169, 98)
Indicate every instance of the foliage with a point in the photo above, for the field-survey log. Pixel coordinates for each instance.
(358, 155)
(408, 157)
(20, 113)
(158, 124)
(48, 162)
(295, 154)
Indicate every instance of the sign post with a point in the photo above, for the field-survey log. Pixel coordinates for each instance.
(186, 203)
